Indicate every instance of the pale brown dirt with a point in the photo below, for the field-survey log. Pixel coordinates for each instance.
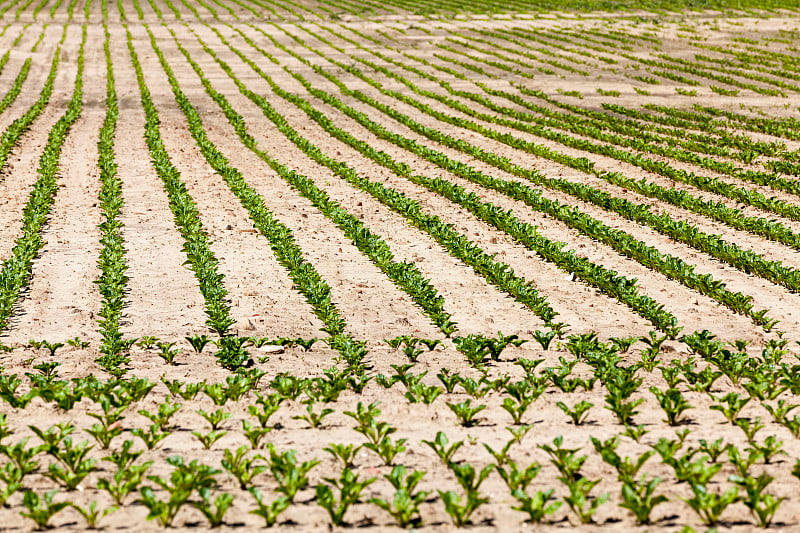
(163, 299)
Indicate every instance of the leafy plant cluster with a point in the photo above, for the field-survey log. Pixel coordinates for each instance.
(16, 269)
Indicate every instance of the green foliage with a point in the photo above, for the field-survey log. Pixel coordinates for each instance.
(578, 413)
(404, 506)
(41, 509)
(640, 499)
(349, 489)
(269, 512)
(465, 412)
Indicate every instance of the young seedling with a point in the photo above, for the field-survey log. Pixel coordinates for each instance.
(22, 457)
(544, 338)
(232, 354)
(781, 411)
(109, 424)
(51, 347)
(126, 480)
(288, 386)
(419, 392)
(623, 410)
(476, 389)
(623, 344)
(583, 505)
(183, 481)
(672, 402)
(146, 342)
(242, 468)
(466, 475)
(460, 513)
(475, 348)
(470, 480)
(709, 506)
(92, 514)
(714, 448)
(266, 407)
(404, 506)
(53, 436)
(465, 412)
(703, 381)
(538, 506)
(291, 476)
(162, 417)
(627, 468)
(449, 381)
(73, 464)
(123, 457)
(5, 431)
(198, 342)
(564, 459)
(349, 487)
(387, 449)
(327, 389)
(8, 388)
(152, 437)
(732, 404)
(313, 419)
(188, 391)
(635, 433)
(769, 449)
(516, 478)
(167, 352)
(358, 382)
(214, 418)
(529, 365)
(501, 456)
(208, 439)
(743, 462)
(640, 499)
(11, 476)
(254, 434)
(430, 344)
(441, 445)
(364, 415)
(41, 509)
(345, 453)
(577, 414)
(269, 512)
(410, 349)
(305, 344)
(762, 506)
(213, 511)
(48, 370)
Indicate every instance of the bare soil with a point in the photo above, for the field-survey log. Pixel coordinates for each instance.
(61, 301)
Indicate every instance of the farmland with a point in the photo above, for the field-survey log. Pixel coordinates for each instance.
(347, 264)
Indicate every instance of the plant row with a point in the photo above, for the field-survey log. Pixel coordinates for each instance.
(303, 274)
(16, 270)
(113, 279)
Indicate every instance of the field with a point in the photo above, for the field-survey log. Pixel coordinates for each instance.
(348, 264)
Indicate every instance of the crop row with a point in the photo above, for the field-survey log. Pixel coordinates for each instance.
(113, 279)
(306, 278)
(207, 489)
(405, 274)
(673, 267)
(16, 270)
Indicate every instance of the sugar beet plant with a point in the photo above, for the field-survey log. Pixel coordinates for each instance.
(113, 278)
(405, 274)
(282, 242)
(16, 269)
(187, 218)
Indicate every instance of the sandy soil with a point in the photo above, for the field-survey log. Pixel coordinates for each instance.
(162, 297)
